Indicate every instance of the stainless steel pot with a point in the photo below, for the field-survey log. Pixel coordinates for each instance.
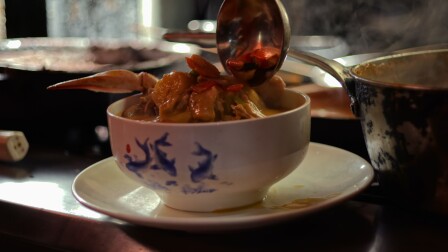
(402, 102)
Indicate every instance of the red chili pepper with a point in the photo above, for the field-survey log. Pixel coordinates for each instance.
(203, 86)
(235, 64)
(266, 57)
(235, 87)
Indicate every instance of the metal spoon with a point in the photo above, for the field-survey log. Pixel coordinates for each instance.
(252, 38)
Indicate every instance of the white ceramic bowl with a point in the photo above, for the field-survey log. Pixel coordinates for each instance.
(211, 166)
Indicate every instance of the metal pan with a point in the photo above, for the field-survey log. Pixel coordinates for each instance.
(401, 100)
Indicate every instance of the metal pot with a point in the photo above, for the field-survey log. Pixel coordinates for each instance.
(402, 102)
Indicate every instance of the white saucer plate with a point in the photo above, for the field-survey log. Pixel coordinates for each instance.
(327, 176)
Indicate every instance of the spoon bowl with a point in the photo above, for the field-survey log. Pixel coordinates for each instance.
(252, 38)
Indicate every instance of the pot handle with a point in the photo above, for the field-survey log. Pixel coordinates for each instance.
(332, 67)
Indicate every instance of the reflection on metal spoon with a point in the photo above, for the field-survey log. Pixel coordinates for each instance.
(252, 38)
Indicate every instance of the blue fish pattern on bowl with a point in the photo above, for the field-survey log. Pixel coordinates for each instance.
(204, 170)
(160, 157)
(155, 158)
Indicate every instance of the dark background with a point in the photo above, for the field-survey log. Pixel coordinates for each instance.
(366, 25)
(25, 18)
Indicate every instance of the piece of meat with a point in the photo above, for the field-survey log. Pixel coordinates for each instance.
(202, 104)
(271, 91)
(170, 92)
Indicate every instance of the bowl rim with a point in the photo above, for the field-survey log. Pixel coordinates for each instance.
(307, 103)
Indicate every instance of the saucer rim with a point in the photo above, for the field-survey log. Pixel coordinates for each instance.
(223, 222)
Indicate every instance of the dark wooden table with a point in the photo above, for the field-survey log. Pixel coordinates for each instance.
(38, 212)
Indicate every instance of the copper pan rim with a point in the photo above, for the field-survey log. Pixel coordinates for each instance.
(418, 86)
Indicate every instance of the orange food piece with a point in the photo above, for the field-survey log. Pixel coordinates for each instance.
(203, 86)
(202, 66)
(169, 92)
(202, 105)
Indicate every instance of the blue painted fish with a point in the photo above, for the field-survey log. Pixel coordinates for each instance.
(205, 167)
(135, 165)
(160, 157)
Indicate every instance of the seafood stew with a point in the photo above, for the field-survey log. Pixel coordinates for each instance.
(201, 95)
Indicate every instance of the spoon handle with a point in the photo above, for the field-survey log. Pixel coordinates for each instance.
(334, 68)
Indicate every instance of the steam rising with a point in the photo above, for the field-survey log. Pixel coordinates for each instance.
(372, 25)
